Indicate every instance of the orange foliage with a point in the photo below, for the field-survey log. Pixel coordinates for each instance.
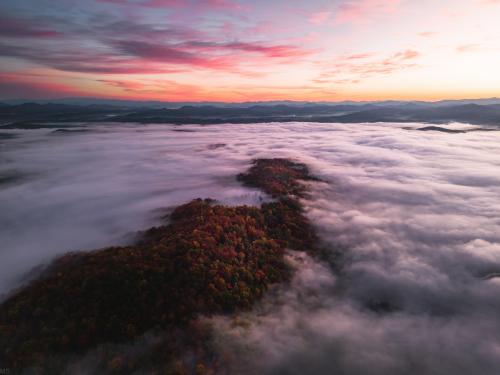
(209, 259)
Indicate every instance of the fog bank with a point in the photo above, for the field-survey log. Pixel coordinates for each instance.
(414, 215)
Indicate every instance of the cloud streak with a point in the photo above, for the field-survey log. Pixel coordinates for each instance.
(181, 4)
(13, 27)
(357, 67)
(132, 47)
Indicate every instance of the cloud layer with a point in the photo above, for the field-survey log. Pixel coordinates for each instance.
(409, 220)
(413, 222)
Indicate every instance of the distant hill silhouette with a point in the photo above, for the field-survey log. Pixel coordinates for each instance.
(38, 115)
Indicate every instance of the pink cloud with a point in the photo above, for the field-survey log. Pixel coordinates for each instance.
(212, 55)
(83, 61)
(197, 4)
(22, 86)
(141, 50)
(360, 11)
(162, 89)
(272, 51)
(358, 56)
(128, 85)
(319, 18)
(125, 46)
(405, 55)
(354, 68)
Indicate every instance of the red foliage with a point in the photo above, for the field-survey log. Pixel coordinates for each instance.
(279, 178)
(208, 259)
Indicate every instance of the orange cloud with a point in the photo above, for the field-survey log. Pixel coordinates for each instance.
(353, 68)
(26, 86)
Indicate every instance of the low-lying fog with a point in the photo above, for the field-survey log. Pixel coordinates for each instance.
(415, 216)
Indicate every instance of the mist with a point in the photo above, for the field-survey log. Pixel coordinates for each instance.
(73, 190)
(409, 220)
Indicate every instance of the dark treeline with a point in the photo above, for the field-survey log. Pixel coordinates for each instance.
(32, 115)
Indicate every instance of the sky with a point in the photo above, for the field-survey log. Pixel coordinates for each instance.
(229, 50)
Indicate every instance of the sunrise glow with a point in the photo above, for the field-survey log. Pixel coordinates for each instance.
(224, 50)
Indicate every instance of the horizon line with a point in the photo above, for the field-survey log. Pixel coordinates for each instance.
(33, 100)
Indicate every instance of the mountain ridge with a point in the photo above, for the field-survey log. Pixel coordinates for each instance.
(31, 114)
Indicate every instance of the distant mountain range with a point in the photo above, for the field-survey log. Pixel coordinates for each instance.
(39, 113)
(162, 104)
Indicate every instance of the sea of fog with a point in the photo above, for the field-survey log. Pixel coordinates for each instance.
(411, 218)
